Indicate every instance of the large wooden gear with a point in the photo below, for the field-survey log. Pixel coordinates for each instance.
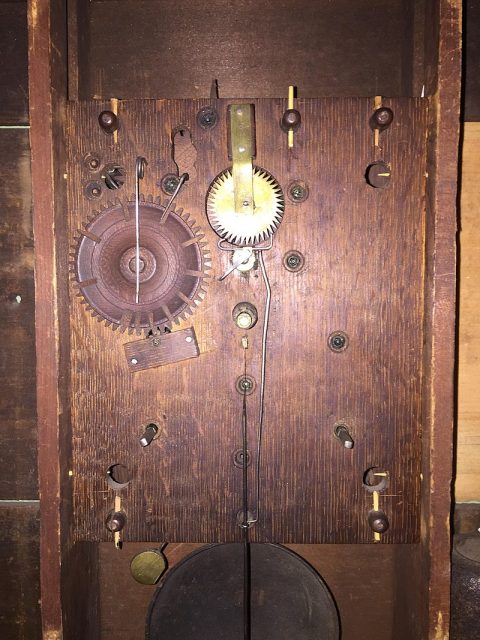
(173, 265)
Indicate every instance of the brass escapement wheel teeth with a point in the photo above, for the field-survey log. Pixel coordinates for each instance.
(243, 228)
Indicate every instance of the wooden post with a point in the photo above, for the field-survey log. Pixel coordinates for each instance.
(439, 386)
(47, 45)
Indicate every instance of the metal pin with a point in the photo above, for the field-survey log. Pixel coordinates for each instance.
(149, 434)
(342, 433)
(183, 178)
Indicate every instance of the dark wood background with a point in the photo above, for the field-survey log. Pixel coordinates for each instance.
(174, 48)
(19, 504)
(364, 251)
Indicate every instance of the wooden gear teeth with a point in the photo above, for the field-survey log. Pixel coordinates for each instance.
(174, 265)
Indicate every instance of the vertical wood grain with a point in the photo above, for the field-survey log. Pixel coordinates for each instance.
(440, 309)
(18, 434)
(467, 483)
(363, 275)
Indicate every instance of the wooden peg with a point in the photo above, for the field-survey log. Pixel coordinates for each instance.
(114, 108)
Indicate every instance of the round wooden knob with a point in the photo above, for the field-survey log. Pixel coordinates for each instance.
(378, 521)
(108, 121)
(381, 119)
(115, 521)
(291, 119)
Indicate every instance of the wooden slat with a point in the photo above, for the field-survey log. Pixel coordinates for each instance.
(13, 68)
(440, 321)
(19, 571)
(325, 48)
(467, 485)
(47, 92)
(18, 436)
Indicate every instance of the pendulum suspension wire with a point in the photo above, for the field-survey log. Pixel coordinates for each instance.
(245, 522)
(266, 319)
(139, 173)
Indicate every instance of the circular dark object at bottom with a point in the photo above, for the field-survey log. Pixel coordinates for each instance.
(202, 597)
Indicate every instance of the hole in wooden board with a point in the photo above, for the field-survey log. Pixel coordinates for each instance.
(114, 176)
(375, 479)
(118, 476)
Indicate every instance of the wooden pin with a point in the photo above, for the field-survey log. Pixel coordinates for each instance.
(117, 536)
(114, 108)
(377, 103)
(291, 93)
(376, 507)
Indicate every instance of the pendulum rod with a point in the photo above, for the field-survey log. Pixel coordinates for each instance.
(245, 523)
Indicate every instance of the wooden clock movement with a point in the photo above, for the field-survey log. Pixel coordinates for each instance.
(248, 292)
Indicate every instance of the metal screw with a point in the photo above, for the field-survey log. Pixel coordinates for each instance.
(134, 361)
(245, 385)
(93, 190)
(149, 434)
(298, 192)
(169, 183)
(342, 433)
(338, 341)
(238, 460)
(207, 118)
(293, 261)
(92, 161)
(156, 342)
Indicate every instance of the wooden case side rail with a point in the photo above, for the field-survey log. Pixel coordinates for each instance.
(46, 317)
(440, 309)
(61, 612)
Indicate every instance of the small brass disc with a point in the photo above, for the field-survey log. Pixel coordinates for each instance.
(148, 566)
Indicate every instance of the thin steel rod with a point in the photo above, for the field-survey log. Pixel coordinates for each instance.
(245, 523)
(139, 173)
(183, 178)
(266, 320)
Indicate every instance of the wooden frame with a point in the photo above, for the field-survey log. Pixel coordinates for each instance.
(62, 614)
